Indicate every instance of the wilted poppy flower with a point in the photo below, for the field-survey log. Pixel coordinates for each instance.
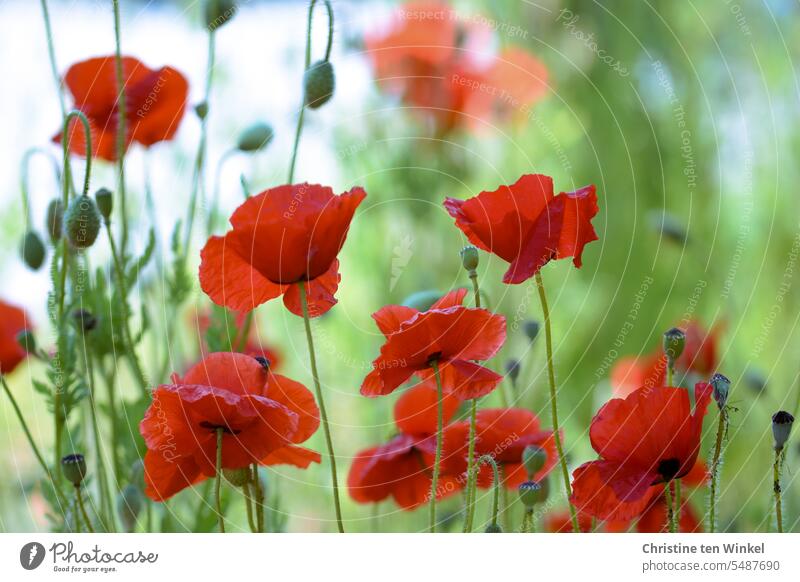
(255, 345)
(650, 438)
(13, 320)
(154, 104)
(699, 359)
(281, 238)
(448, 333)
(263, 417)
(402, 468)
(526, 225)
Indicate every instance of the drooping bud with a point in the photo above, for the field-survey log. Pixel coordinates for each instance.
(781, 427)
(318, 83)
(255, 138)
(218, 12)
(531, 329)
(755, 380)
(129, 504)
(54, 219)
(105, 202)
(32, 250)
(674, 342)
(82, 222)
(237, 477)
(530, 493)
(534, 459)
(722, 387)
(669, 226)
(201, 110)
(493, 528)
(469, 258)
(27, 340)
(512, 369)
(74, 468)
(84, 320)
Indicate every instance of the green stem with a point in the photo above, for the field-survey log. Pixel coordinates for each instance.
(248, 503)
(259, 499)
(548, 333)
(79, 499)
(112, 405)
(214, 207)
(323, 414)
(670, 372)
(218, 483)
(527, 520)
(670, 508)
(121, 129)
(438, 457)
(712, 497)
(776, 488)
(497, 485)
(24, 173)
(506, 504)
(471, 473)
(51, 53)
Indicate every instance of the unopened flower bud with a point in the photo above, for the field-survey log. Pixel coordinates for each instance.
(201, 110)
(318, 83)
(530, 493)
(84, 320)
(469, 258)
(32, 250)
(82, 222)
(237, 477)
(755, 380)
(493, 528)
(54, 219)
(674, 342)
(512, 369)
(531, 329)
(129, 504)
(105, 202)
(255, 138)
(781, 427)
(669, 226)
(27, 340)
(534, 459)
(422, 300)
(722, 387)
(218, 12)
(137, 473)
(74, 468)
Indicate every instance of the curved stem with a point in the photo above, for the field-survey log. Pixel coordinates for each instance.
(218, 483)
(121, 129)
(79, 499)
(496, 488)
(776, 488)
(548, 333)
(322, 412)
(471, 473)
(438, 457)
(670, 507)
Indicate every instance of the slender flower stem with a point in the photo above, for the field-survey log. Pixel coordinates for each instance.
(670, 508)
(715, 462)
(121, 129)
(320, 400)
(79, 500)
(548, 333)
(497, 485)
(473, 416)
(776, 488)
(51, 53)
(248, 504)
(214, 206)
(527, 520)
(438, 457)
(218, 483)
(259, 499)
(24, 173)
(506, 503)
(670, 372)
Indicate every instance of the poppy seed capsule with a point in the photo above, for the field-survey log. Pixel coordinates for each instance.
(512, 369)
(530, 493)
(674, 342)
(531, 329)
(84, 320)
(721, 386)
(533, 458)
(129, 504)
(105, 202)
(493, 528)
(237, 477)
(27, 340)
(318, 83)
(218, 12)
(82, 222)
(469, 258)
(32, 250)
(781, 427)
(74, 468)
(255, 138)
(54, 219)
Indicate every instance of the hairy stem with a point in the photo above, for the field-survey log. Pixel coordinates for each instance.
(438, 456)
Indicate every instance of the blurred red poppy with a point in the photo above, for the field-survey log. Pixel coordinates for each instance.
(402, 468)
(448, 333)
(155, 101)
(13, 320)
(700, 359)
(526, 225)
(255, 344)
(445, 67)
(649, 438)
(263, 417)
(561, 522)
(282, 237)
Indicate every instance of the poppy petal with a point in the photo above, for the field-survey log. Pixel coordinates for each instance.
(321, 293)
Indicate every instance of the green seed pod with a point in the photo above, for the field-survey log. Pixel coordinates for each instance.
(674, 342)
(237, 477)
(218, 12)
(54, 219)
(74, 468)
(105, 202)
(129, 505)
(469, 258)
(493, 528)
(319, 83)
(82, 222)
(32, 250)
(27, 340)
(255, 138)
(534, 459)
(722, 387)
(530, 493)
(781, 427)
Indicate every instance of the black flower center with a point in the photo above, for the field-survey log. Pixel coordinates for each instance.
(213, 427)
(668, 468)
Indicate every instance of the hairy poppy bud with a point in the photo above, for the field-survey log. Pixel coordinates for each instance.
(32, 250)
(721, 386)
(531, 329)
(54, 219)
(493, 528)
(755, 380)
(512, 369)
(218, 12)
(105, 202)
(129, 504)
(254, 138)
(201, 110)
(781, 427)
(27, 340)
(669, 226)
(237, 477)
(82, 222)
(469, 258)
(533, 458)
(74, 468)
(84, 320)
(530, 493)
(674, 342)
(319, 83)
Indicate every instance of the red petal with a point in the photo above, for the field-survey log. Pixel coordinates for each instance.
(300, 457)
(390, 317)
(609, 491)
(451, 299)
(156, 105)
(13, 320)
(164, 476)
(415, 412)
(297, 398)
(321, 293)
(238, 373)
(466, 380)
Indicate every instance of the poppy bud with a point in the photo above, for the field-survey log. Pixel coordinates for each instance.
(469, 258)
(674, 342)
(74, 468)
(82, 222)
(531, 329)
(781, 427)
(264, 361)
(27, 340)
(721, 386)
(129, 504)
(422, 300)
(84, 320)
(493, 528)
(319, 83)
(137, 473)
(32, 250)
(669, 226)
(105, 202)
(755, 380)
(201, 110)
(533, 458)
(54, 219)
(218, 12)
(255, 138)
(530, 493)
(512, 369)
(237, 477)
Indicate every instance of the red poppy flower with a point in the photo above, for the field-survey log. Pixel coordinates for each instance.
(699, 358)
(502, 433)
(154, 104)
(449, 333)
(649, 438)
(263, 416)
(402, 468)
(526, 225)
(255, 345)
(13, 320)
(283, 236)
(561, 522)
